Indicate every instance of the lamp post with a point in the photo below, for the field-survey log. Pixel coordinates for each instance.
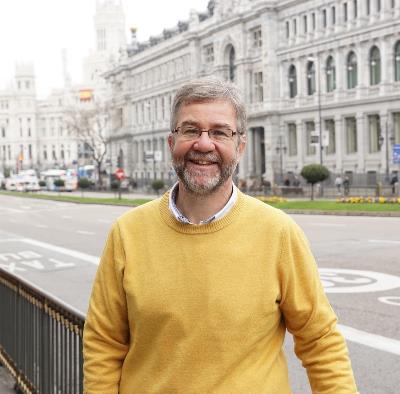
(309, 76)
(281, 150)
(387, 139)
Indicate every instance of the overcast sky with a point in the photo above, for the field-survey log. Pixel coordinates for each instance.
(38, 30)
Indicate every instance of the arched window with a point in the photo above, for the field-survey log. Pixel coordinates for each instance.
(397, 61)
(310, 78)
(292, 81)
(232, 66)
(374, 66)
(330, 74)
(351, 70)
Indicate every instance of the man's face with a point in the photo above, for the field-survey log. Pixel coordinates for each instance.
(204, 165)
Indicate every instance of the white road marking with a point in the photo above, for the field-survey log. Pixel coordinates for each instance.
(383, 241)
(341, 280)
(390, 300)
(85, 232)
(379, 342)
(72, 253)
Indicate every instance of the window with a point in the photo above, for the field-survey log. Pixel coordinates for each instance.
(209, 53)
(257, 37)
(62, 152)
(292, 81)
(330, 131)
(27, 85)
(310, 131)
(368, 6)
(30, 151)
(351, 135)
(20, 127)
(355, 9)
(378, 5)
(393, 3)
(292, 139)
(295, 27)
(287, 29)
(53, 153)
(3, 132)
(351, 70)
(397, 61)
(314, 24)
(304, 24)
(324, 21)
(396, 127)
(375, 66)
(345, 12)
(44, 152)
(374, 132)
(310, 78)
(258, 87)
(9, 152)
(330, 75)
(333, 15)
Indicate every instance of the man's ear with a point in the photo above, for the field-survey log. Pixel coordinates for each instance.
(242, 144)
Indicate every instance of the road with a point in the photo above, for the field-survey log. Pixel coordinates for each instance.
(56, 246)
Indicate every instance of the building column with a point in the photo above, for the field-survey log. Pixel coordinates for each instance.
(341, 69)
(362, 142)
(386, 65)
(257, 151)
(340, 142)
(300, 145)
(362, 70)
(250, 153)
(383, 118)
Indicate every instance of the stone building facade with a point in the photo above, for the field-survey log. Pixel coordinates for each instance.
(33, 132)
(321, 80)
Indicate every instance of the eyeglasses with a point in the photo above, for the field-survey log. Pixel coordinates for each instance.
(189, 133)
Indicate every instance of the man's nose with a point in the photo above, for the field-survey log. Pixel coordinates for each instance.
(204, 143)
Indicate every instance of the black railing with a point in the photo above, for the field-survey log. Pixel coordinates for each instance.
(40, 339)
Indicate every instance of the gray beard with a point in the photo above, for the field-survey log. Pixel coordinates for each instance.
(188, 178)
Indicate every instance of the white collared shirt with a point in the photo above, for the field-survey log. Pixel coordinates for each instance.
(183, 219)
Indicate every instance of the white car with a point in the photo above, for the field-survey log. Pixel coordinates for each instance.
(11, 184)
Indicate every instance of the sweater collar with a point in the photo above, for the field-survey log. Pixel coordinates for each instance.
(213, 226)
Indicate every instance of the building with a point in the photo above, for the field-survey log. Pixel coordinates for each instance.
(33, 131)
(321, 80)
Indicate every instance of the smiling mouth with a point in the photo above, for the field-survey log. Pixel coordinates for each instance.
(202, 163)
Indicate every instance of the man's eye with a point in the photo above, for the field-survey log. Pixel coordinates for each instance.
(190, 131)
(220, 133)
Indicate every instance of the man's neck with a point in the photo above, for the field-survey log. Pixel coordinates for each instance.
(198, 208)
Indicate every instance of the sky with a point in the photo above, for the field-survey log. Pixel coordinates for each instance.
(38, 30)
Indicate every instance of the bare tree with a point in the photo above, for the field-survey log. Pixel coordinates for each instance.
(88, 122)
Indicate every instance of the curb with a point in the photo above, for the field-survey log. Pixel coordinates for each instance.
(341, 213)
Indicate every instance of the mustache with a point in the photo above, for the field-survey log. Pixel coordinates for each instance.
(210, 156)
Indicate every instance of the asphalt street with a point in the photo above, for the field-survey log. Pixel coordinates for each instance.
(56, 246)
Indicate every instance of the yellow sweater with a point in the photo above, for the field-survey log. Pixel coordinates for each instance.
(188, 309)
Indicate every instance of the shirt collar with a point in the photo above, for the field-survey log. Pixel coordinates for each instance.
(183, 219)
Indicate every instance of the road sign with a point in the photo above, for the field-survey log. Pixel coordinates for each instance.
(396, 154)
(119, 173)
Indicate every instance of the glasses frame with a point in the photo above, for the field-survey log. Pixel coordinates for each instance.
(201, 131)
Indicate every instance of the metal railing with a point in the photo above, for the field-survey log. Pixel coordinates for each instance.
(40, 339)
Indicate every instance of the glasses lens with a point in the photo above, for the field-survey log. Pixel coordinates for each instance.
(221, 134)
(189, 132)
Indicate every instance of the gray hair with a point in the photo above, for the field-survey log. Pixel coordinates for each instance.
(210, 89)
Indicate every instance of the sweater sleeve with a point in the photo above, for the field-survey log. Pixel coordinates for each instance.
(106, 332)
(310, 318)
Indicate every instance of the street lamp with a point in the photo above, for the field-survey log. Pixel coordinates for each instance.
(317, 66)
(387, 139)
(281, 150)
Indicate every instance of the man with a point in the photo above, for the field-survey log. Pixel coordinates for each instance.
(195, 290)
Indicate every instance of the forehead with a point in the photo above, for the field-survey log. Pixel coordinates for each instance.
(208, 113)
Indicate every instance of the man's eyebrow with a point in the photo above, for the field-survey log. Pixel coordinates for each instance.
(214, 125)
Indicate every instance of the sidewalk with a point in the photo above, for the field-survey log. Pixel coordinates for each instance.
(6, 382)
